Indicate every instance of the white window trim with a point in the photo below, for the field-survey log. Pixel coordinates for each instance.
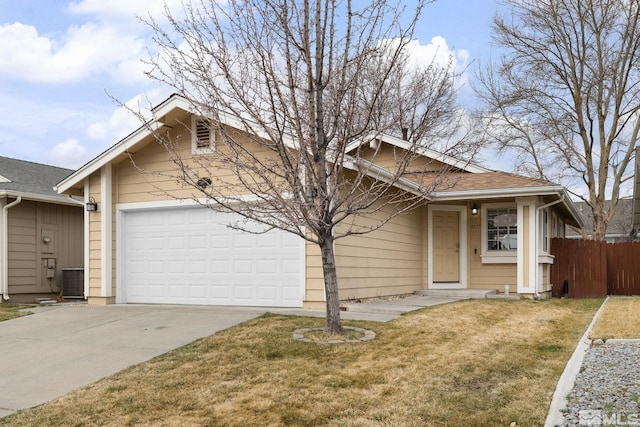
(545, 234)
(495, 257)
(194, 138)
(545, 257)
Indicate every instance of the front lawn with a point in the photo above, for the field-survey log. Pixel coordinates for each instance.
(470, 363)
(619, 319)
(11, 311)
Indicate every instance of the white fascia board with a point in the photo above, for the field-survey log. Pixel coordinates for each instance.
(571, 206)
(41, 198)
(377, 172)
(497, 192)
(424, 151)
(107, 156)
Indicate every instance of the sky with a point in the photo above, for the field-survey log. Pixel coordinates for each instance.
(65, 67)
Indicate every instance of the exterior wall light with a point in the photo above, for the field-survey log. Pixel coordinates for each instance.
(91, 205)
(474, 209)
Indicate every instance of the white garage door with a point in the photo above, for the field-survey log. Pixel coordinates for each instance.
(189, 256)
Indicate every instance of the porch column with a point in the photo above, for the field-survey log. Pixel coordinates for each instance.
(106, 232)
(526, 245)
(87, 240)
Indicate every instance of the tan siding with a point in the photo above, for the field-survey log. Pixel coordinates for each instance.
(388, 156)
(94, 236)
(387, 261)
(487, 276)
(132, 185)
(314, 276)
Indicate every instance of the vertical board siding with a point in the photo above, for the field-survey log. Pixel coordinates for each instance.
(29, 222)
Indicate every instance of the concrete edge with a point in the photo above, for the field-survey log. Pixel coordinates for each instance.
(623, 341)
(568, 378)
(6, 412)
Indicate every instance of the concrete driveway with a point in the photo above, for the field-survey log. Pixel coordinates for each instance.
(60, 348)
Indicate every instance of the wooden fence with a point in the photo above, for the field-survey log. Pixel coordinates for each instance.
(595, 269)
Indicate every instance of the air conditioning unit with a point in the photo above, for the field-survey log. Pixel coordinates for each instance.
(73, 282)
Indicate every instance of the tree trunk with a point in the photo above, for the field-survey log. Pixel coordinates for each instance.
(599, 227)
(333, 324)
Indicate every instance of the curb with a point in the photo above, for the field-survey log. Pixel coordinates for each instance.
(568, 378)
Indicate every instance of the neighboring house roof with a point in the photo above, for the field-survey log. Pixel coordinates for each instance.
(619, 227)
(32, 181)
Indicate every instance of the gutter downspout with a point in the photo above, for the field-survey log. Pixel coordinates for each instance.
(538, 209)
(5, 248)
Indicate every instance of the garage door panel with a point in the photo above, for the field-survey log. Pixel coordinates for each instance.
(188, 256)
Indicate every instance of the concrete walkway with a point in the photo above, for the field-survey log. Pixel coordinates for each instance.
(62, 347)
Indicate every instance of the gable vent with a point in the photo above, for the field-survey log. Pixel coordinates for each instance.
(203, 134)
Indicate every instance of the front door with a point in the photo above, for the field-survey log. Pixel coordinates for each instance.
(446, 246)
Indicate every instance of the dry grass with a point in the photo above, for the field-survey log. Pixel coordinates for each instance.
(471, 363)
(620, 318)
(11, 311)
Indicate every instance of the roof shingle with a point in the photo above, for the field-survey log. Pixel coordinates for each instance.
(31, 178)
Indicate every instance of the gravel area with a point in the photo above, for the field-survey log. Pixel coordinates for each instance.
(607, 388)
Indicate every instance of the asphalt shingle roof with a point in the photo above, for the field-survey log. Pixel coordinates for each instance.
(478, 181)
(31, 178)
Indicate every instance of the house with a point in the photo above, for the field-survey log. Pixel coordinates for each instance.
(148, 242)
(41, 231)
(619, 229)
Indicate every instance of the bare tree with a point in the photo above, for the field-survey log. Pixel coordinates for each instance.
(565, 96)
(303, 80)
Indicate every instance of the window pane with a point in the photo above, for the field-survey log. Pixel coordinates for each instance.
(502, 229)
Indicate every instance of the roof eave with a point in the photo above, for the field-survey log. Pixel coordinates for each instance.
(558, 190)
(129, 142)
(107, 156)
(41, 198)
(377, 172)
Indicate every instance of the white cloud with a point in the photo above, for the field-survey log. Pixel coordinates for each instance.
(83, 52)
(437, 52)
(123, 121)
(69, 153)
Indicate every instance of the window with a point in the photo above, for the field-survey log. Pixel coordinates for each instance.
(502, 229)
(202, 136)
